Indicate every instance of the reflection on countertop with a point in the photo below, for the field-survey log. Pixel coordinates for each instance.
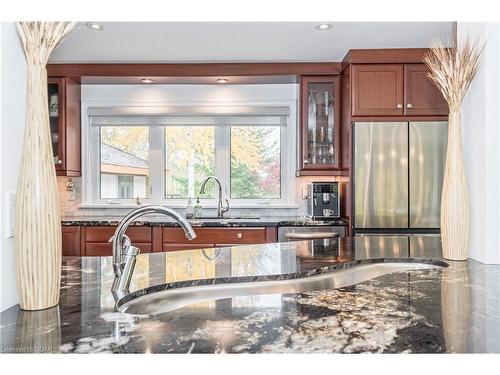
(452, 309)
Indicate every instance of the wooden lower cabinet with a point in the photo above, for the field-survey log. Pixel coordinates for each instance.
(93, 241)
(174, 238)
(70, 240)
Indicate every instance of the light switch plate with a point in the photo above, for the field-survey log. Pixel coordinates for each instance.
(305, 192)
(10, 204)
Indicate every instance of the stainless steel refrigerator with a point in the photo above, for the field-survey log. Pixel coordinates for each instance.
(398, 176)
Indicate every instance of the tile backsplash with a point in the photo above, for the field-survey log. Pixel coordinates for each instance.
(70, 207)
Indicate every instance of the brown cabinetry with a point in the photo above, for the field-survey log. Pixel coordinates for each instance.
(174, 239)
(70, 240)
(422, 97)
(395, 90)
(320, 125)
(377, 90)
(64, 117)
(94, 240)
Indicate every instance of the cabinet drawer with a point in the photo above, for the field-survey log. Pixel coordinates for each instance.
(103, 234)
(105, 249)
(216, 235)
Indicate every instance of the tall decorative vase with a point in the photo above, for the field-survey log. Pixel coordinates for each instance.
(37, 233)
(452, 67)
(454, 198)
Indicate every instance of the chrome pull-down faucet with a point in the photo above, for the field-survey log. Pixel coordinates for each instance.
(124, 254)
(220, 208)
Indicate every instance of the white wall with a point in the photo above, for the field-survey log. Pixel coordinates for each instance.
(13, 101)
(481, 135)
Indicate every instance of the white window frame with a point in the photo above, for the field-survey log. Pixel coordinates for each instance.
(91, 161)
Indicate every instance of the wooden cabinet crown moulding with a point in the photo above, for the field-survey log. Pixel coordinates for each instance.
(99, 73)
(384, 56)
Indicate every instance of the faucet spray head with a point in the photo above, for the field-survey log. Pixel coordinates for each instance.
(190, 234)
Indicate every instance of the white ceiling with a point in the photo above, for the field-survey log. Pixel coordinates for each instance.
(238, 42)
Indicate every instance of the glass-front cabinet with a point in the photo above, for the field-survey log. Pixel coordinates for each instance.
(320, 125)
(56, 119)
(64, 101)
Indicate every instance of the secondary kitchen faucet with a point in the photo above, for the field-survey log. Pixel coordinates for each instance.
(220, 208)
(124, 254)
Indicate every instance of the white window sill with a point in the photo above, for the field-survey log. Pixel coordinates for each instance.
(183, 206)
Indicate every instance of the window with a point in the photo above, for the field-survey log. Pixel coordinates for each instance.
(189, 159)
(164, 158)
(124, 156)
(255, 162)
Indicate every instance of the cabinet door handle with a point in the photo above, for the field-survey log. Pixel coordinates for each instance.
(399, 106)
(409, 105)
(239, 235)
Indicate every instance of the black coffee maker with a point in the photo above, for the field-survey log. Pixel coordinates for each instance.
(323, 200)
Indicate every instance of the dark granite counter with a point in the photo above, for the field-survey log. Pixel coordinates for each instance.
(155, 221)
(449, 309)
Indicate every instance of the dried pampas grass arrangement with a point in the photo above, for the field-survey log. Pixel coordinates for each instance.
(452, 67)
(37, 225)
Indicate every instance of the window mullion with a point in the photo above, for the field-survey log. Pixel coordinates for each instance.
(156, 162)
(223, 157)
(94, 162)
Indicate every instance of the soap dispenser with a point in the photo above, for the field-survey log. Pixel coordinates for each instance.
(198, 210)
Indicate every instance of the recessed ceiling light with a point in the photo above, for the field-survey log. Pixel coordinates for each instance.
(222, 81)
(324, 26)
(147, 81)
(94, 26)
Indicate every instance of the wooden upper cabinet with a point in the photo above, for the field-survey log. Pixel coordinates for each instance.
(64, 95)
(422, 97)
(319, 125)
(377, 90)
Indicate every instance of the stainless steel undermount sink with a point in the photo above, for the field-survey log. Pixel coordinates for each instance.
(175, 298)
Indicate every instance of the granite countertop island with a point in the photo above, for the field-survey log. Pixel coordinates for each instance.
(443, 309)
